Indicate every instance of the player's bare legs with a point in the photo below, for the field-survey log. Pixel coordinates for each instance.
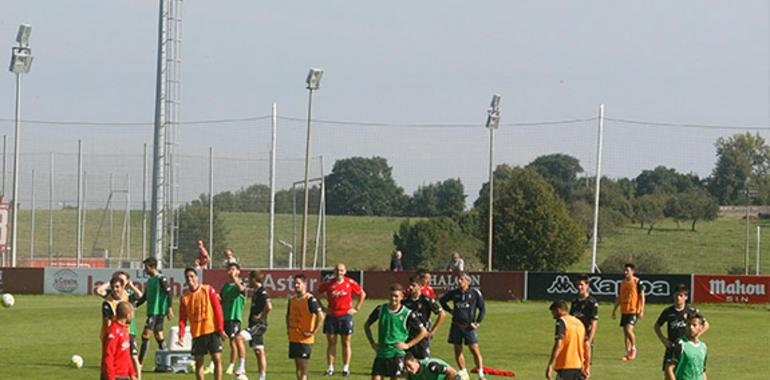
(217, 359)
(459, 356)
(301, 368)
(628, 331)
(331, 349)
(261, 359)
(199, 359)
(347, 350)
(476, 351)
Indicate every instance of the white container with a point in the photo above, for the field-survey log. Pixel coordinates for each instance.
(173, 340)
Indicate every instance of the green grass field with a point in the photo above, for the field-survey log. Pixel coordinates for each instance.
(40, 334)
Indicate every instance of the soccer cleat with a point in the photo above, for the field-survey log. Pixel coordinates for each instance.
(229, 370)
(329, 372)
(632, 354)
(208, 370)
(345, 373)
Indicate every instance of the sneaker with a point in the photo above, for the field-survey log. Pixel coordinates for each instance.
(208, 370)
(345, 373)
(229, 371)
(632, 354)
(329, 372)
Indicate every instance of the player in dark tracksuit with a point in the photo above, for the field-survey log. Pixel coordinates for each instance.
(423, 306)
(676, 317)
(467, 313)
(586, 308)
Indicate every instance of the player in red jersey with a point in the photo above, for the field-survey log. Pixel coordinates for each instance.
(202, 262)
(116, 346)
(339, 293)
(427, 290)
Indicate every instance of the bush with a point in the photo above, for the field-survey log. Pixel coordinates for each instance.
(428, 244)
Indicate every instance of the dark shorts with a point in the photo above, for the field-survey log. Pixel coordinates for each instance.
(207, 344)
(232, 328)
(392, 367)
(300, 350)
(668, 358)
(154, 323)
(569, 374)
(462, 335)
(628, 319)
(134, 351)
(342, 325)
(421, 350)
(257, 331)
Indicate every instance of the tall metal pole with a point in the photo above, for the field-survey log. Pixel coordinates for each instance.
(32, 222)
(748, 221)
(595, 235)
(307, 169)
(144, 203)
(211, 204)
(128, 217)
(159, 141)
(491, 198)
(79, 242)
(50, 208)
(15, 190)
(320, 220)
(5, 151)
(323, 214)
(756, 266)
(271, 230)
(293, 222)
(110, 219)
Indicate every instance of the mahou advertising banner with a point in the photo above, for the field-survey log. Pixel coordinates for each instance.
(84, 281)
(731, 289)
(495, 285)
(658, 288)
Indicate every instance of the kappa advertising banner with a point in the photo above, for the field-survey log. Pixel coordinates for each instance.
(84, 281)
(277, 282)
(21, 280)
(494, 285)
(731, 289)
(658, 288)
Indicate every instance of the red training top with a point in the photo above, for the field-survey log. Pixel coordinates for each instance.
(116, 353)
(428, 291)
(203, 309)
(340, 295)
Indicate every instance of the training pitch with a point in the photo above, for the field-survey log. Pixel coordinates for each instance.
(41, 333)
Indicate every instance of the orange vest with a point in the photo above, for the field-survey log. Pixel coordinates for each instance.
(629, 297)
(199, 311)
(113, 302)
(572, 352)
(300, 320)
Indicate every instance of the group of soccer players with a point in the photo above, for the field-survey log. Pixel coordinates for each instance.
(405, 325)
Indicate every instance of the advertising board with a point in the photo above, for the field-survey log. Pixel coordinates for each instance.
(84, 281)
(731, 289)
(658, 288)
(494, 285)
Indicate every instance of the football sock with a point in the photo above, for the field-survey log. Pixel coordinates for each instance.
(161, 346)
(143, 349)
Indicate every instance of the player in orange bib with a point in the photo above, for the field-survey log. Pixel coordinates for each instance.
(568, 356)
(200, 305)
(631, 302)
(304, 317)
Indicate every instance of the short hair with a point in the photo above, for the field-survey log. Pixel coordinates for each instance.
(415, 280)
(300, 277)
(397, 288)
(115, 280)
(150, 262)
(256, 276)
(583, 278)
(464, 275)
(233, 265)
(190, 269)
(558, 305)
(124, 308)
(409, 356)
(121, 272)
(697, 316)
(682, 288)
(629, 266)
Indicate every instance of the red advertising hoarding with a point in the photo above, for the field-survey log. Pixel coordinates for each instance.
(502, 286)
(21, 280)
(730, 289)
(277, 282)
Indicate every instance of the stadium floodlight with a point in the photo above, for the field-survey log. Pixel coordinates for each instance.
(493, 121)
(314, 79)
(21, 62)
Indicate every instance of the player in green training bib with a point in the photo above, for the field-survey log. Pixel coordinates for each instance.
(395, 321)
(157, 295)
(430, 369)
(690, 353)
(233, 298)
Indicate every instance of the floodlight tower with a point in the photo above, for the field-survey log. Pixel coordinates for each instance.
(493, 121)
(21, 62)
(313, 83)
(159, 141)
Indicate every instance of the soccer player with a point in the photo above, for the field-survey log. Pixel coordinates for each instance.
(395, 321)
(429, 369)
(586, 308)
(631, 301)
(304, 316)
(133, 294)
(260, 308)
(676, 317)
(200, 305)
(202, 262)
(233, 298)
(426, 288)
(568, 354)
(467, 313)
(689, 353)
(423, 306)
(339, 293)
(157, 294)
(116, 352)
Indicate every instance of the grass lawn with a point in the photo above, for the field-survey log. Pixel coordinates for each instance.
(40, 334)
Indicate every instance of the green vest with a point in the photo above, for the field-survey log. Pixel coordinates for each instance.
(132, 300)
(424, 374)
(232, 302)
(157, 302)
(692, 362)
(392, 329)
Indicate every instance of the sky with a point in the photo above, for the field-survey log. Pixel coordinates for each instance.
(396, 62)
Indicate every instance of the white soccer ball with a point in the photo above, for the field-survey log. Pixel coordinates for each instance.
(8, 300)
(76, 361)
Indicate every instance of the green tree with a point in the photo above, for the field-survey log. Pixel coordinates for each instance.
(740, 158)
(560, 170)
(194, 226)
(698, 204)
(445, 198)
(428, 243)
(533, 230)
(664, 180)
(648, 209)
(363, 186)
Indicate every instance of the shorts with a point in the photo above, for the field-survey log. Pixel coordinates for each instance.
(257, 331)
(460, 335)
(421, 350)
(569, 374)
(154, 323)
(300, 350)
(232, 328)
(207, 344)
(342, 325)
(134, 351)
(391, 367)
(628, 319)
(668, 358)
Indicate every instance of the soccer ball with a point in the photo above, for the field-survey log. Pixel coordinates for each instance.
(76, 361)
(8, 300)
